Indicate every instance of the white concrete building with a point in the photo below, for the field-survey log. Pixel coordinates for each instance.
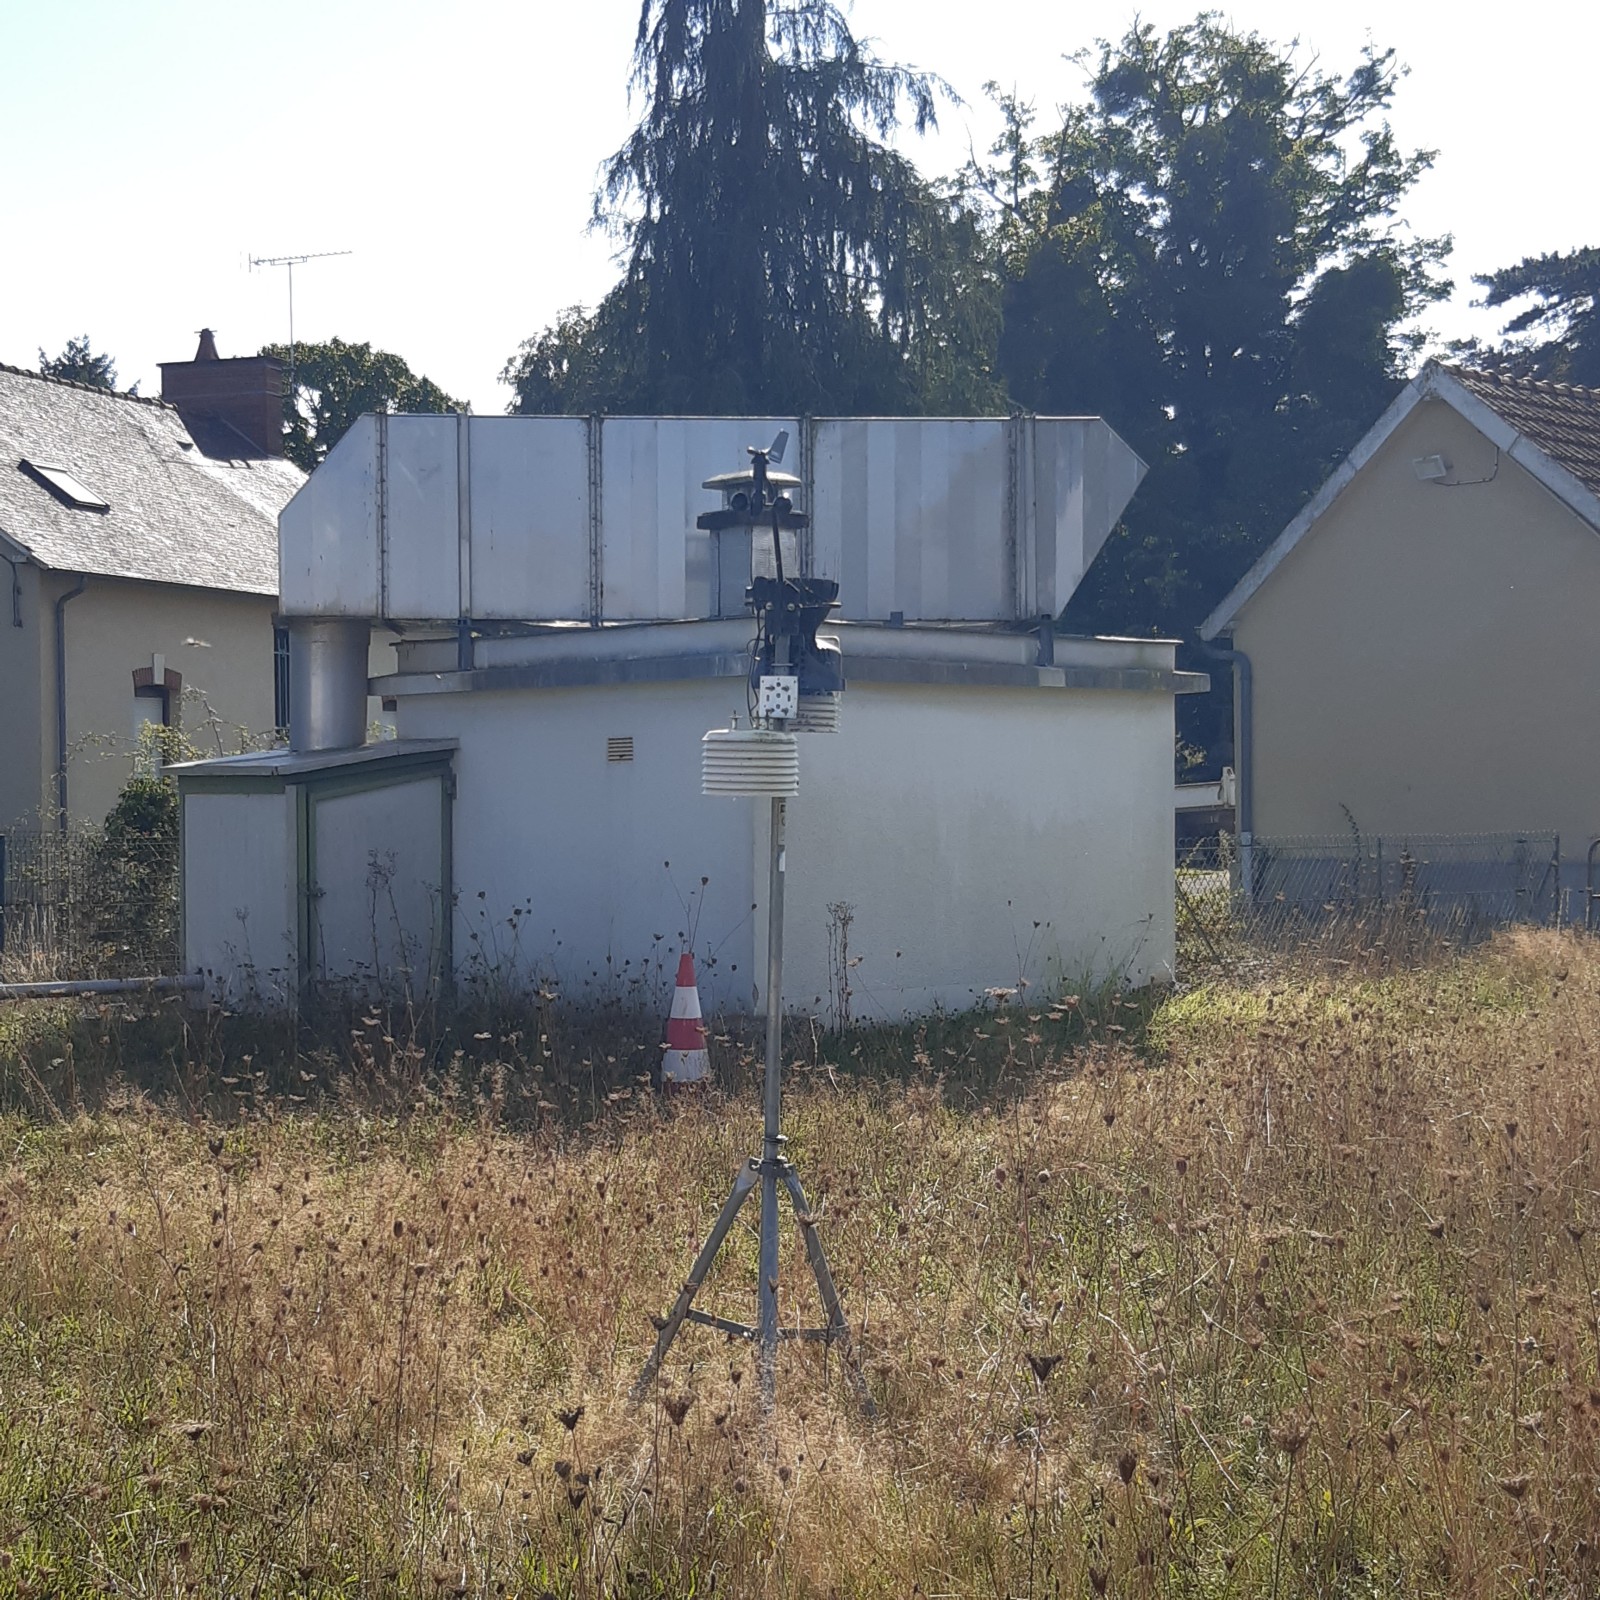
(995, 807)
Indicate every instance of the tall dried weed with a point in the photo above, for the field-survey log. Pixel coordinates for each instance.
(1292, 1293)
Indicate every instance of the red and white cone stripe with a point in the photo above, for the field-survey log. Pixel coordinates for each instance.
(685, 1060)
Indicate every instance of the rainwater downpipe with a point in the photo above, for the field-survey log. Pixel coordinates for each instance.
(16, 592)
(1244, 756)
(61, 698)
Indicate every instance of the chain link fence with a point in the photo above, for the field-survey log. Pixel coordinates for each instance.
(1357, 891)
(75, 905)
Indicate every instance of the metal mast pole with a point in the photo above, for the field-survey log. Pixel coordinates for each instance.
(772, 1139)
(789, 610)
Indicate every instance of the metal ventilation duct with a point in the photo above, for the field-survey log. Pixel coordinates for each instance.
(440, 519)
(327, 683)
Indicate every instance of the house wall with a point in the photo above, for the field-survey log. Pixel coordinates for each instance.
(23, 645)
(115, 627)
(978, 835)
(1419, 655)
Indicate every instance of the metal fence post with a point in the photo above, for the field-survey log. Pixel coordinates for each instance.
(2, 894)
(1555, 878)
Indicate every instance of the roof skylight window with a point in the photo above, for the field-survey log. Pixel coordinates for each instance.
(70, 491)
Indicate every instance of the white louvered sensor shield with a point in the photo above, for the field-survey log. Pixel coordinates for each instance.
(749, 761)
(817, 713)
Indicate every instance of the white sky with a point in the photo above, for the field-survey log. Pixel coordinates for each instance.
(151, 147)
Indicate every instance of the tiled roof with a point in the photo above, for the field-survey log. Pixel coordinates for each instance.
(176, 514)
(1560, 418)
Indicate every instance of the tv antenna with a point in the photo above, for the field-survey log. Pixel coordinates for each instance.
(291, 262)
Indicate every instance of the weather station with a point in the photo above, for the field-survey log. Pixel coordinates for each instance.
(795, 685)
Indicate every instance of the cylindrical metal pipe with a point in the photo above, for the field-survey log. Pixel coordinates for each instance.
(775, 877)
(1244, 756)
(61, 698)
(771, 1145)
(327, 683)
(93, 986)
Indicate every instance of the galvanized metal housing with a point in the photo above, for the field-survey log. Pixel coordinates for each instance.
(327, 683)
(436, 519)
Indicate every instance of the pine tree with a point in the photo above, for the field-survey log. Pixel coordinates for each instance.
(781, 256)
(79, 363)
(1558, 336)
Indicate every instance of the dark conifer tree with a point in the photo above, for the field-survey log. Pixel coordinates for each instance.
(781, 255)
(82, 364)
(1557, 337)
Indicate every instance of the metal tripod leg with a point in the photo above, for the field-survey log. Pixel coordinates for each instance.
(825, 1287)
(742, 1186)
(767, 1290)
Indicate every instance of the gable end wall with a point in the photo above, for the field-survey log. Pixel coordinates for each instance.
(1423, 658)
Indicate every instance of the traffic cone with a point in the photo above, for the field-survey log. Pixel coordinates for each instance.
(685, 1059)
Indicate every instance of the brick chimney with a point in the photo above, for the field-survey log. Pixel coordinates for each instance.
(234, 408)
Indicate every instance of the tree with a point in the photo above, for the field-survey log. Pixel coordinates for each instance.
(79, 363)
(1566, 311)
(580, 363)
(1206, 253)
(334, 383)
(780, 255)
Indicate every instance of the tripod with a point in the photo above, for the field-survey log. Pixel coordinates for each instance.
(770, 1170)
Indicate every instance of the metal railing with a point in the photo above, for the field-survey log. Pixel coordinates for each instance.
(76, 905)
(1283, 892)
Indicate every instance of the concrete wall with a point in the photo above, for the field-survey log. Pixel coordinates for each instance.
(979, 836)
(570, 865)
(115, 627)
(1420, 655)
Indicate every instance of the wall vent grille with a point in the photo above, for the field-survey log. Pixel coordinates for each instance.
(619, 747)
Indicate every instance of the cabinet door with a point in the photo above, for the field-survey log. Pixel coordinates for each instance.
(378, 870)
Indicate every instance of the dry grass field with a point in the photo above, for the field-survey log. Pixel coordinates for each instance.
(1279, 1289)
